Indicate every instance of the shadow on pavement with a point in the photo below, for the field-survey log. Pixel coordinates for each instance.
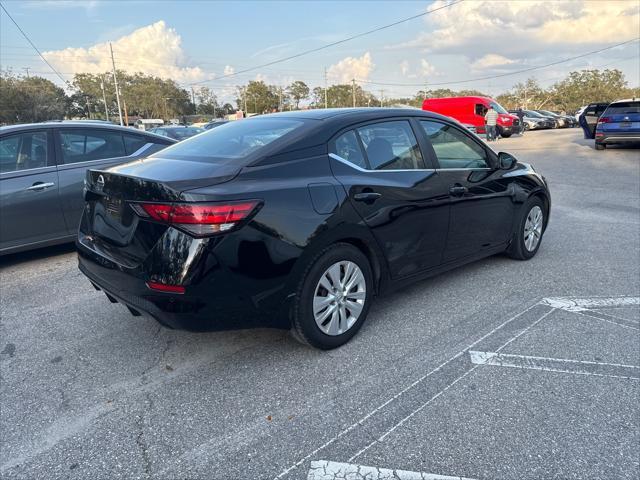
(37, 254)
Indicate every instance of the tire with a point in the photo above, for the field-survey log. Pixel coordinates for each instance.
(521, 247)
(505, 135)
(600, 146)
(332, 330)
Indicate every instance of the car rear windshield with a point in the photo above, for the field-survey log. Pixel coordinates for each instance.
(623, 107)
(233, 140)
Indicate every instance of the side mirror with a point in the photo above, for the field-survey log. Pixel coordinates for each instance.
(506, 161)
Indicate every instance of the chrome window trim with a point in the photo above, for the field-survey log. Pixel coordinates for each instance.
(142, 149)
(360, 169)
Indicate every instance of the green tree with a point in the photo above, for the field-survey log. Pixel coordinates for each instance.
(30, 99)
(586, 86)
(298, 91)
(258, 97)
(207, 102)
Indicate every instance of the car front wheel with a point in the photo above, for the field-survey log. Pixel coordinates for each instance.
(600, 146)
(333, 297)
(526, 241)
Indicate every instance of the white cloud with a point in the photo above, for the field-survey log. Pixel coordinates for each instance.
(491, 61)
(426, 68)
(229, 70)
(351, 67)
(522, 29)
(154, 50)
(404, 67)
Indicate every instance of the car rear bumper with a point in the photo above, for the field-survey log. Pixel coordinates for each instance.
(617, 137)
(221, 300)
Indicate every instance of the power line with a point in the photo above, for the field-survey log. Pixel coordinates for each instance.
(31, 43)
(333, 44)
(469, 80)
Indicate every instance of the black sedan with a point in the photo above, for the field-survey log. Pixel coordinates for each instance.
(297, 220)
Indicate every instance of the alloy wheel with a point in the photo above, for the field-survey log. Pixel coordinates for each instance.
(339, 298)
(533, 228)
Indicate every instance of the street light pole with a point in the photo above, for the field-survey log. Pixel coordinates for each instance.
(353, 91)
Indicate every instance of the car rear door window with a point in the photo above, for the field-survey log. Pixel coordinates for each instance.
(348, 147)
(453, 148)
(391, 146)
(23, 151)
(83, 145)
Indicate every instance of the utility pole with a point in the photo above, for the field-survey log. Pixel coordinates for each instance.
(86, 97)
(353, 91)
(381, 97)
(26, 69)
(104, 99)
(326, 87)
(126, 115)
(193, 99)
(115, 81)
(244, 90)
(279, 99)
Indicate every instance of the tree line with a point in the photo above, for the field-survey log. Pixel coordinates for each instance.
(25, 99)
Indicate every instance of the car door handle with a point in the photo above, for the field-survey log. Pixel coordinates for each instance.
(366, 196)
(458, 190)
(40, 186)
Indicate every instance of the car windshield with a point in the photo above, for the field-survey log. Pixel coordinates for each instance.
(232, 140)
(529, 113)
(186, 132)
(498, 108)
(547, 112)
(623, 107)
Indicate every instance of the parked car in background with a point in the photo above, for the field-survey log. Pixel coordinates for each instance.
(471, 110)
(42, 170)
(177, 132)
(214, 124)
(298, 219)
(588, 119)
(147, 124)
(562, 121)
(532, 123)
(619, 123)
(548, 122)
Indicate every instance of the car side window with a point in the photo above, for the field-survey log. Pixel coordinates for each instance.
(23, 151)
(453, 148)
(133, 143)
(391, 146)
(480, 109)
(83, 145)
(348, 147)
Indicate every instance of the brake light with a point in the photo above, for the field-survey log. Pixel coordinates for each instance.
(163, 287)
(604, 120)
(199, 219)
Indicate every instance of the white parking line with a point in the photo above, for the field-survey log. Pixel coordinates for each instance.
(621, 322)
(403, 391)
(580, 304)
(560, 365)
(425, 404)
(325, 470)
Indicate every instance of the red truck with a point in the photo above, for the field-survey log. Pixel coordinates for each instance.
(471, 110)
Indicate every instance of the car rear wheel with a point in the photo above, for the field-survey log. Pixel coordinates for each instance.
(333, 297)
(505, 135)
(600, 146)
(529, 231)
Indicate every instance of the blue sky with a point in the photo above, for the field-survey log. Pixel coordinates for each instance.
(194, 41)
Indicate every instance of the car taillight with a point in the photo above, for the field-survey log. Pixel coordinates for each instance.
(604, 120)
(164, 287)
(199, 219)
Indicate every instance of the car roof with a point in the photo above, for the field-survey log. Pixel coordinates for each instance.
(71, 124)
(351, 114)
(626, 100)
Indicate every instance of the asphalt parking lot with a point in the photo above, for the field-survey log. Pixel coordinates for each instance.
(498, 370)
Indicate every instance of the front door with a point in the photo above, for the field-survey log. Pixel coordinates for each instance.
(383, 172)
(29, 204)
(482, 209)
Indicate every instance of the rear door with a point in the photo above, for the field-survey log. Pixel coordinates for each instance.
(382, 169)
(589, 119)
(481, 206)
(30, 210)
(80, 149)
